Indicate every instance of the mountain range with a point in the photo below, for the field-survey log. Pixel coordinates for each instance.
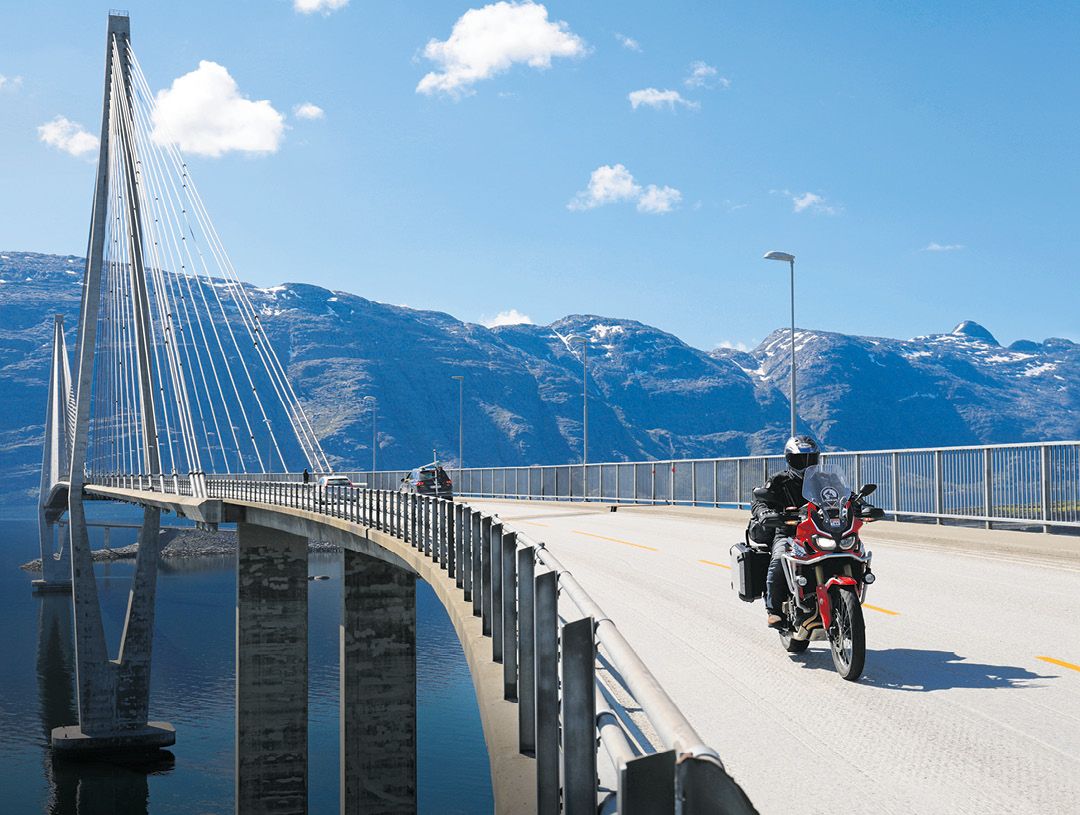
(650, 395)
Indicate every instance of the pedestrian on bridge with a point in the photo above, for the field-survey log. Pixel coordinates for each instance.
(307, 476)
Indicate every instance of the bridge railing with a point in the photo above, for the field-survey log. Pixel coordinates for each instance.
(582, 692)
(1024, 484)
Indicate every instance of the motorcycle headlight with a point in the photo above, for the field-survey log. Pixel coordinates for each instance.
(826, 544)
(848, 542)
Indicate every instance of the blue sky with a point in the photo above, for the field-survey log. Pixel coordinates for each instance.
(921, 160)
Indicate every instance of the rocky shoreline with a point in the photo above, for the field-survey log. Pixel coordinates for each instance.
(184, 543)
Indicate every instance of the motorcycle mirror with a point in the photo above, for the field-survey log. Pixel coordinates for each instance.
(867, 489)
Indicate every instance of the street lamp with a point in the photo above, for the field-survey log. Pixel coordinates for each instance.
(461, 422)
(784, 256)
(585, 400)
(371, 400)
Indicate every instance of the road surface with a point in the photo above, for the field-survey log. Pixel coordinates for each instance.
(970, 701)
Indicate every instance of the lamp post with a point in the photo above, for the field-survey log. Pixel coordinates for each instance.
(461, 423)
(790, 259)
(373, 402)
(584, 406)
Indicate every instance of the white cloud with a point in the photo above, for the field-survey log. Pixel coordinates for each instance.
(612, 184)
(653, 98)
(703, 75)
(308, 111)
(69, 136)
(489, 40)
(511, 317)
(942, 247)
(810, 202)
(607, 185)
(629, 43)
(204, 113)
(656, 200)
(312, 6)
(10, 83)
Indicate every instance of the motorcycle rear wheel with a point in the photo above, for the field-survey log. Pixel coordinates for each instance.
(847, 635)
(792, 645)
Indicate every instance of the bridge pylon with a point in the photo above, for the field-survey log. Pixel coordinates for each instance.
(55, 467)
(113, 694)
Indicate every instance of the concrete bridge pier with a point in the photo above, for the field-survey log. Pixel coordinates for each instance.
(378, 687)
(55, 564)
(113, 695)
(271, 671)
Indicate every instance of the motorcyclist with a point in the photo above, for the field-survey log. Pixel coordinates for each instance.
(783, 490)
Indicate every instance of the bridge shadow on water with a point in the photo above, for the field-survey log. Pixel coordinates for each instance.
(921, 671)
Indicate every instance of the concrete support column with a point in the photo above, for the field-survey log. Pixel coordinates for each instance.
(271, 671)
(55, 571)
(378, 687)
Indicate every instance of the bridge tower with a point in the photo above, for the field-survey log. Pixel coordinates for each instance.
(113, 694)
(55, 469)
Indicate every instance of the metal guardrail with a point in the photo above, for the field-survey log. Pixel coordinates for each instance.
(567, 708)
(1025, 484)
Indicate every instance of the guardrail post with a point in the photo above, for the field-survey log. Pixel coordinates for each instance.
(579, 717)
(939, 487)
(988, 485)
(451, 539)
(495, 544)
(475, 555)
(526, 594)
(1045, 491)
(459, 545)
(414, 501)
(485, 576)
(510, 617)
(436, 530)
(647, 785)
(894, 460)
(546, 639)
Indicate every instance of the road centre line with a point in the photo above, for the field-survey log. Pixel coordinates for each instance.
(714, 563)
(1061, 663)
(616, 540)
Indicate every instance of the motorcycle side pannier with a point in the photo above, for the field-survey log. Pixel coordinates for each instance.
(748, 570)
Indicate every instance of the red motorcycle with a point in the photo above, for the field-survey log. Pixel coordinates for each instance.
(827, 569)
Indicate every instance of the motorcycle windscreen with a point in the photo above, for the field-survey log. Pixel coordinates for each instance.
(829, 493)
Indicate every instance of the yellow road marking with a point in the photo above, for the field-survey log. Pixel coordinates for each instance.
(1060, 662)
(714, 563)
(882, 610)
(616, 540)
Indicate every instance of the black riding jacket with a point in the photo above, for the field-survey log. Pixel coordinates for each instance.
(785, 490)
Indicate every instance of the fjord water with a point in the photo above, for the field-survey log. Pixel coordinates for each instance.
(193, 688)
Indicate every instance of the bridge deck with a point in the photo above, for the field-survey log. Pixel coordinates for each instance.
(956, 711)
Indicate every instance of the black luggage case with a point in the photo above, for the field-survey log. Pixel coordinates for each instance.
(748, 570)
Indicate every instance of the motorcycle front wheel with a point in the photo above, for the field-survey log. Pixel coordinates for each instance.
(847, 635)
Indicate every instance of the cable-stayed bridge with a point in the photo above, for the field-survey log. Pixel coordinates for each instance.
(179, 404)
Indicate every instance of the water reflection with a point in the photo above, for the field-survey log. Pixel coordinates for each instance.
(81, 787)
